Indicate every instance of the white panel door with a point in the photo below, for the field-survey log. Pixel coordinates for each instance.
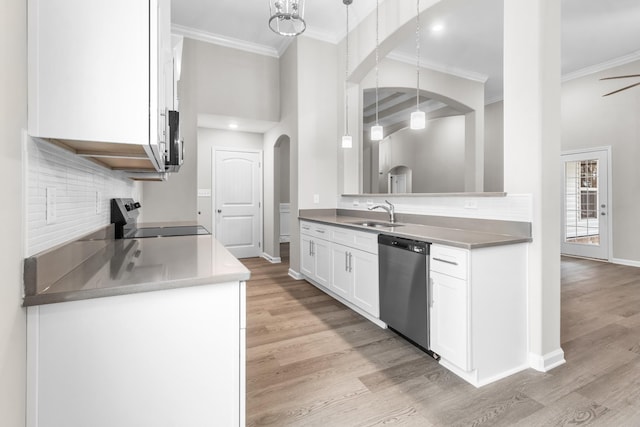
(237, 182)
(585, 213)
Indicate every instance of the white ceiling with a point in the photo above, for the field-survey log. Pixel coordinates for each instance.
(595, 33)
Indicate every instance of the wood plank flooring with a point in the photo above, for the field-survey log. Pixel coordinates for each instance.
(313, 362)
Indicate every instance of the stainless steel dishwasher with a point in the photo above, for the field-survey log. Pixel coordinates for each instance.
(404, 287)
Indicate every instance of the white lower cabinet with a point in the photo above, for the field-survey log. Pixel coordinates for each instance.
(355, 277)
(315, 260)
(478, 304)
(171, 357)
(365, 291)
(353, 272)
(449, 319)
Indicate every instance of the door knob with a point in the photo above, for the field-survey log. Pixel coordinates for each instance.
(603, 213)
(219, 210)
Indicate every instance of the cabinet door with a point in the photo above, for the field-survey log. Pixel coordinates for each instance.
(449, 319)
(307, 264)
(322, 262)
(364, 268)
(89, 70)
(342, 280)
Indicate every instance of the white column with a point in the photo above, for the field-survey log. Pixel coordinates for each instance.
(531, 158)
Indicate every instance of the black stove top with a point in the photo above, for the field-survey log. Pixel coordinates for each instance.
(184, 230)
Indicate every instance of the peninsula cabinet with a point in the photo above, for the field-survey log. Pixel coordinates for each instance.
(96, 77)
(478, 315)
(173, 357)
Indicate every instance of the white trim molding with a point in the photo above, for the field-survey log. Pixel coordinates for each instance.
(616, 62)
(627, 262)
(548, 361)
(230, 42)
(295, 275)
(271, 259)
(457, 72)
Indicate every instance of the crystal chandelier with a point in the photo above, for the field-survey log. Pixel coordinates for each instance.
(287, 17)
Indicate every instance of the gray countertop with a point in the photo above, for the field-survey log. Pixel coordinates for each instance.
(141, 265)
(458, 237)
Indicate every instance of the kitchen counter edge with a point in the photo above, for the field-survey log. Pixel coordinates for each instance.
(461, 238)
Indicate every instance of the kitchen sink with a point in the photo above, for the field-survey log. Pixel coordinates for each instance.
(376, 224)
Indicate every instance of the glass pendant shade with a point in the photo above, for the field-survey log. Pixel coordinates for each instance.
(287, 17)
(376, 133)
(418, 120)
(347, 141)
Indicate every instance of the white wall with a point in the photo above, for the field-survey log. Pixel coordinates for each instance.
(13, 118)
(591, 120)
(83, 195)
(286, 128)
(532, 128)
(208, 140)
(494, 147)
(318, 138)
(234, 82)
(215, 80)
(284, 154)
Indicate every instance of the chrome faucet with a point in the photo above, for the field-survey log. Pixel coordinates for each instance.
(390, 210)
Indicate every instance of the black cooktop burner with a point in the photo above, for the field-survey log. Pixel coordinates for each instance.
(185, 230)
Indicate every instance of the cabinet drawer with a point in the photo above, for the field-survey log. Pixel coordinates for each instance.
(362, 240)
(314, 229)
(450, 261)
(305, 228)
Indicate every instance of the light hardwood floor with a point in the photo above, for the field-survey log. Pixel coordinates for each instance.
(313, 362)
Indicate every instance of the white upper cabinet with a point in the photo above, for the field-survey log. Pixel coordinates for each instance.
(97, 80)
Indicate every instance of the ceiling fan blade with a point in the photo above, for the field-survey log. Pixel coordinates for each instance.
(620, 77)
(624, 88)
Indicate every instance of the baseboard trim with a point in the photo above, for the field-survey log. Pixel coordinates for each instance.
(627, 262)
(548, 361)
(285, 239)
(295, 275)
(271, 259)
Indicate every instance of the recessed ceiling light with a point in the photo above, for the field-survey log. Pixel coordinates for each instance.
(233, 125)
(436, 28)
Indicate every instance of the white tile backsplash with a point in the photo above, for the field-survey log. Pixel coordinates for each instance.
(76, 181)
(512, 207)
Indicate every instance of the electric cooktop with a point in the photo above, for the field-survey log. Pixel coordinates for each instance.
(183, 230)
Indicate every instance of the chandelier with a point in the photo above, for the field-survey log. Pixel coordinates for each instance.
(287, 17)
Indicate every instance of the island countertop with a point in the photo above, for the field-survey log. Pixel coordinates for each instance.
(455, 232)
(119, 267)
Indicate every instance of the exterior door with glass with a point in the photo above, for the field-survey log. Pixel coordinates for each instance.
(585, 213)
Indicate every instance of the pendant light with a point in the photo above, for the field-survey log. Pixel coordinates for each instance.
(347, 141)
(418, 118)
(377, 133)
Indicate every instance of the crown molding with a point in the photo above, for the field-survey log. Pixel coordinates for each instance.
(229, 41)
(458, 72)
(324, 36)
(616, 62)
